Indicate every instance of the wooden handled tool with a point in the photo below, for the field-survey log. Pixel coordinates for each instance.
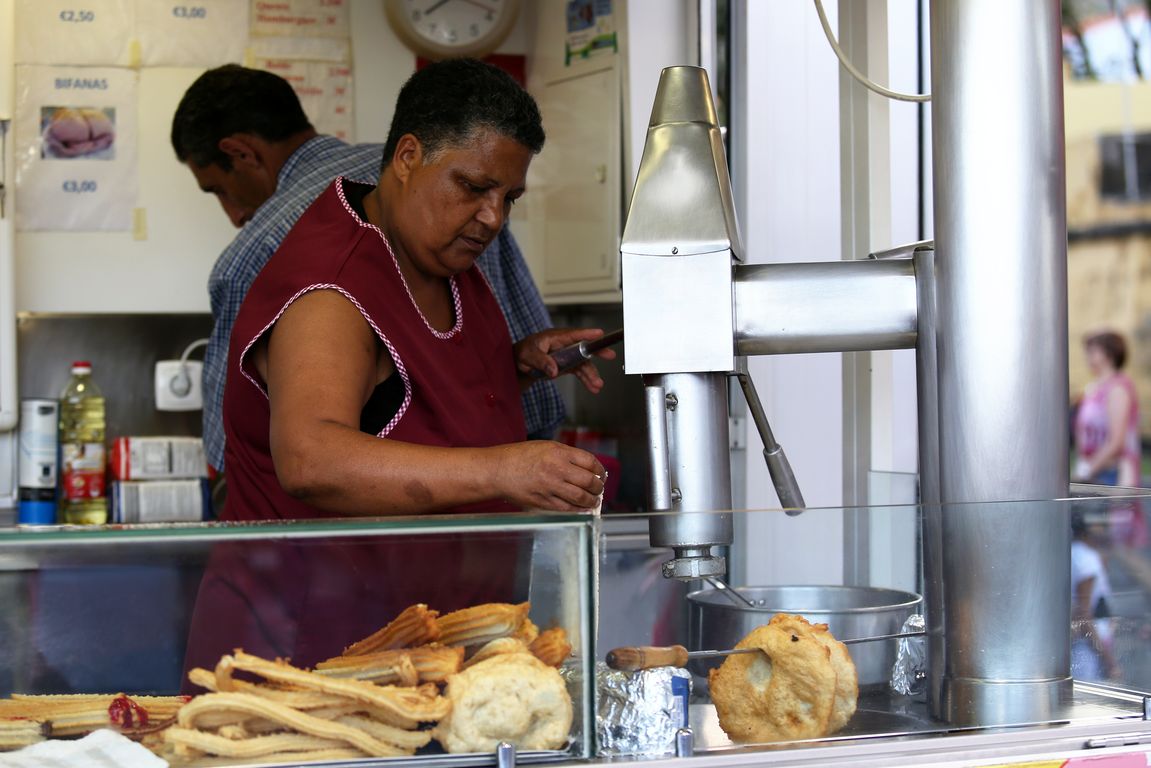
(636, 657)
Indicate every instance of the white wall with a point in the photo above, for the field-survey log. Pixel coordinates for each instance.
(789, 177)
(166, 270)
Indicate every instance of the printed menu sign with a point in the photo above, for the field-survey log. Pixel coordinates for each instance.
(96, 32)
(76, 142)
(320, 71)
(300, 18)
(325, 91)
(204, 33)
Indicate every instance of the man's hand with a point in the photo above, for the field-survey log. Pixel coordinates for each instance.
(533, 354)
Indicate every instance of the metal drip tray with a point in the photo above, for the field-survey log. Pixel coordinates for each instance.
(889, 717)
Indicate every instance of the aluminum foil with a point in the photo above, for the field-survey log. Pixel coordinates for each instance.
(909, 673)
(638, 713)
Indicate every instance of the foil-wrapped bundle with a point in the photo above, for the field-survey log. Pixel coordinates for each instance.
(909, 673)
(638, 713)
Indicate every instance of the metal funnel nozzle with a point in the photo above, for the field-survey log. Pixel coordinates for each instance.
(683, 96)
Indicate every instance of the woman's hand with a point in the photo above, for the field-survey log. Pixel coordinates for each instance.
(533, 354)
(546, 475)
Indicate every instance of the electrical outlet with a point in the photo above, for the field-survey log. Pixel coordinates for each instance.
(177, 385)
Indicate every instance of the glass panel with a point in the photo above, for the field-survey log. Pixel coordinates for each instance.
(132, 610)
(1109, 637)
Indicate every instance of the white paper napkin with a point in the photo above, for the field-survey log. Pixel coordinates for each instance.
(99, 749)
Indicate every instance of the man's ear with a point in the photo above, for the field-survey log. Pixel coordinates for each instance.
(408, 156)
(241, 149)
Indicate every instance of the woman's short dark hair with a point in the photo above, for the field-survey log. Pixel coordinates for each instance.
(444, 103)
(1111, 344)
(233, 99)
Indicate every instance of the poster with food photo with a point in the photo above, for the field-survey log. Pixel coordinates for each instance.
(76, 148)
(69, 133)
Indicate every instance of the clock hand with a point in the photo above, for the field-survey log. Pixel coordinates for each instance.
(487, 8)
(434, 6)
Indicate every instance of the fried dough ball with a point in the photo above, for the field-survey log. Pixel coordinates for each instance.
(510, 697)
(803, 687)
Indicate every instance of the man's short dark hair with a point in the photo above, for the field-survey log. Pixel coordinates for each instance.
(444, 103)
(233, 99)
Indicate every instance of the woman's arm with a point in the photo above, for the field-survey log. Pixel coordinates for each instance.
(321, 363)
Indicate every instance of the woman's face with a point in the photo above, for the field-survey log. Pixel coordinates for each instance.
(1097, 360)
(455, 203)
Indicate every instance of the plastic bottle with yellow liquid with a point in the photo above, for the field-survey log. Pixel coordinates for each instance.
(82, 450)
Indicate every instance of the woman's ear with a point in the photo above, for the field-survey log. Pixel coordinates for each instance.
(408, 156)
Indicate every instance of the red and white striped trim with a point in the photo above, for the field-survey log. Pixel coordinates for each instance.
(396, 359)
(457, 305)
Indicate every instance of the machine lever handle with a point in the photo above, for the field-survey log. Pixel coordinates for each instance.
(571, 356)
(782, 477)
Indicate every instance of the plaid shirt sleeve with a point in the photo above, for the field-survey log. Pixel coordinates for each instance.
(507, 272)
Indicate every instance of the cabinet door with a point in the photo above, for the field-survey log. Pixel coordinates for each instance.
(579, 184)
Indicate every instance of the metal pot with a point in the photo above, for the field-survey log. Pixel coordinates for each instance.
(715, 622)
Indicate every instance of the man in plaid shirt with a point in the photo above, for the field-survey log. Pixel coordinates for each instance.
(244, 136)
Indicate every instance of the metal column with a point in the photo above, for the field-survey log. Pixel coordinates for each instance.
(1001, 287)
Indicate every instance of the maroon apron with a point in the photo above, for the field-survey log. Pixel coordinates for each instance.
(308, 599)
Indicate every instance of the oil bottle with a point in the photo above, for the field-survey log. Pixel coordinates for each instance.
(82, 454)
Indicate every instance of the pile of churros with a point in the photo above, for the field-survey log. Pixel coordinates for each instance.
(387, 695)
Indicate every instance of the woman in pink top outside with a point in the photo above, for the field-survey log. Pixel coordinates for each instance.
(1107, 421)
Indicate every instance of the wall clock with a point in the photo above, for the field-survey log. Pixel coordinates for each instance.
(443, 29)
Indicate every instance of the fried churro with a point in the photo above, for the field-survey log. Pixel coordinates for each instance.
(20, 732)
(410, 703)
(190, 715)
(390, 734)
(78, 714)
(433, 663)
(552, 647)
(416, 625)
(481, 624)
(528, 632)
(254, 746)
(497, 647)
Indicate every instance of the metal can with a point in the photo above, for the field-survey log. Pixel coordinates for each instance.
(38, 461)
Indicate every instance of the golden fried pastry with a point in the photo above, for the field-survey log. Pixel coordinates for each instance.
(407, 703)
(552, 647)
(511, 697)
(190, 716)
(500, 645)
(846, 678)
(791, 691)
(20, 732)
(432, 663)
(254, 746)
(528, 632)
(79, 714)
(416, 625)
(481, 624)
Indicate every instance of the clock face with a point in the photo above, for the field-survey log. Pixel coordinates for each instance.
(439, 29)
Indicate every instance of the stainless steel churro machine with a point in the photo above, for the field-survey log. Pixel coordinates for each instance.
(985, 310)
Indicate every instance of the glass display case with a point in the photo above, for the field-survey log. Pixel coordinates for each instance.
(122, 610)
(132, 609)
(1108, 640)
